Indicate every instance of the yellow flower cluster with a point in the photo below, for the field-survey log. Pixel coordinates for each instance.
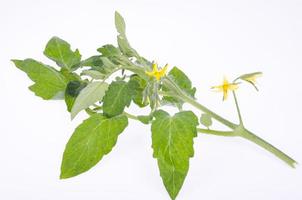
(158, 74)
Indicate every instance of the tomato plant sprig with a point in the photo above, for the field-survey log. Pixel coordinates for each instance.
(87, 85)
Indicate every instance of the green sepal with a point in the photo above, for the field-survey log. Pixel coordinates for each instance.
(150, 94)
(247, 78)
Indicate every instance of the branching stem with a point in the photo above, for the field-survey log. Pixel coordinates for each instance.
(236, 129)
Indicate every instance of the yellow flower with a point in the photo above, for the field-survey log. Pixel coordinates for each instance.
(157, 73)
(225, 87)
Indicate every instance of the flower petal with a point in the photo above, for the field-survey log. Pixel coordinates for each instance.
(225, 95)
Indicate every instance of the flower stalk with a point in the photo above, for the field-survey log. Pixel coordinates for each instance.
(237, 129)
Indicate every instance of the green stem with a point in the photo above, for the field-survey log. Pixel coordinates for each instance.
(130, 116)
(257, 140)
(216, 132)
(208, 111)
(200, 130)
(238, 130)
(237, 108)
(89, 111)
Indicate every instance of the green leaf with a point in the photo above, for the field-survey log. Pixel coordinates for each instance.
(172, 143)
(70, 76)
(109, 51)
(93, 74)
(206, 120)
(92, 93)
(181, 79)
(59, 51)
(139, 86)
(93, 61)
(119, 23)
(117, 97)
(100, 64)
(72, 91)
(49, 83)
(91, 140)
(108, 65)
(125, 46)
(122, 40)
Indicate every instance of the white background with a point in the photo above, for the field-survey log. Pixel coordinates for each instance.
(207, 39)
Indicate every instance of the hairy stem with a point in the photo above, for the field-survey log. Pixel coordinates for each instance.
(200, 130)
(208, 111)
(267, 146)
(130, 116)
(216, 132)
(238, 130)
(237, 108)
